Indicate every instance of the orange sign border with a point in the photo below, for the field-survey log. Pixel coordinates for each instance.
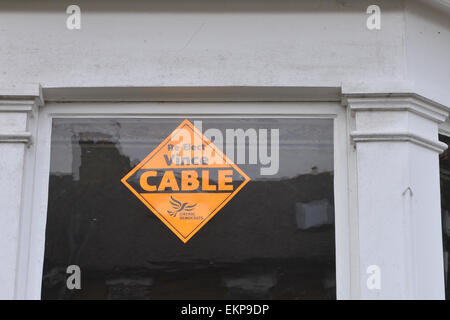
(186, 122)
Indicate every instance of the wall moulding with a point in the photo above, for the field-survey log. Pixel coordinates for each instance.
(15, 137)
(401, 102)
(399, 137)
(408, 103)
(192, 94)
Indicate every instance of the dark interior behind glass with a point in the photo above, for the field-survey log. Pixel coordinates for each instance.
(444, 164)
(274, 240)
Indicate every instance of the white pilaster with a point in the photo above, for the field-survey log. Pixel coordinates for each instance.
(398, 199)
(17, 114)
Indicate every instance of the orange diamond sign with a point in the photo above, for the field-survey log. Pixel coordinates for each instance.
(185, 181)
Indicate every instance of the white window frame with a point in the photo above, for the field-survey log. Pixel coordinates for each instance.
(30, 264)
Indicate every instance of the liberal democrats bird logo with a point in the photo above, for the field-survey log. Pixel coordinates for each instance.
(178, 206)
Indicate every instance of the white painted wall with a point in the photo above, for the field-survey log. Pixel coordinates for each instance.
(399, 215)
(158, 43)
(427, 48)
(249, 42)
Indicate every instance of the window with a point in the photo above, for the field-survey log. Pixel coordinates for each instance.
(275, 239)
(283, 235)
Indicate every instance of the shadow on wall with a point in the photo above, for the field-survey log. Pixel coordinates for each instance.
(286, 6)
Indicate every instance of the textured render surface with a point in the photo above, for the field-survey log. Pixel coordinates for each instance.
(400, 230)
(154, 43)
(232, 43)
(11, 172)
(427, 49)
(398, 205)
(380, 216)
(426, 230)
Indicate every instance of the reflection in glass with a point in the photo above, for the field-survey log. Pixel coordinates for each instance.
(444, 163)
(273, 240)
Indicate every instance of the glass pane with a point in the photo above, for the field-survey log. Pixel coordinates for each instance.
(273, 240)
(444, 162)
